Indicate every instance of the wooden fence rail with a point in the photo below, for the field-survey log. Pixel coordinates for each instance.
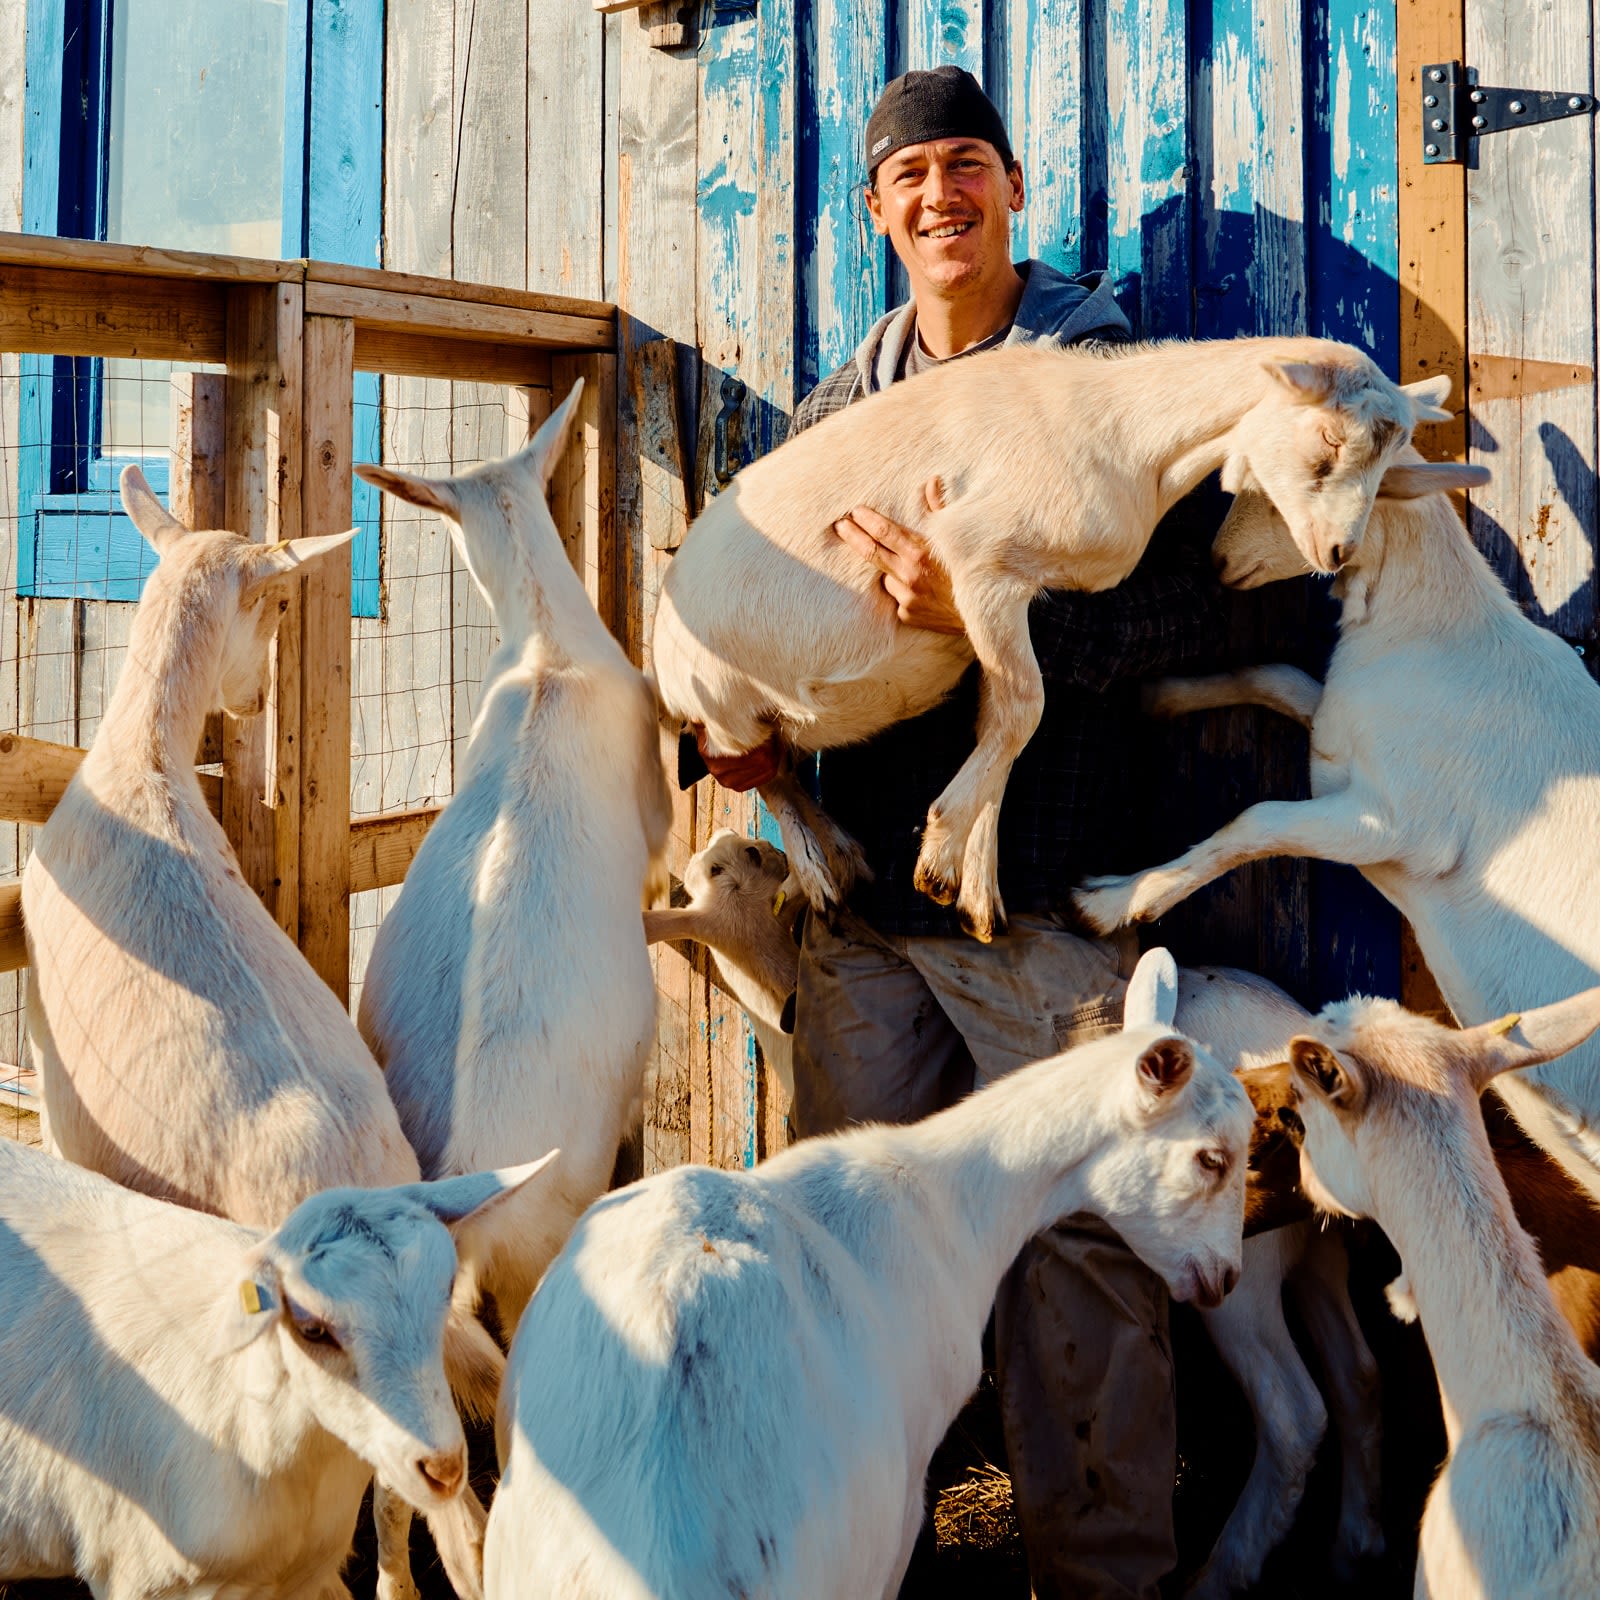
(265, 449)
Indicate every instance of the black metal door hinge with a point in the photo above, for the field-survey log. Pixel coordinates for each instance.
(1456, 109)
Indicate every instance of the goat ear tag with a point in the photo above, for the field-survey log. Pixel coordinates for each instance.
(1506, 1023)
(254, 1298)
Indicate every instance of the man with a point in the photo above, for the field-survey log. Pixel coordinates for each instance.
(897, 1012)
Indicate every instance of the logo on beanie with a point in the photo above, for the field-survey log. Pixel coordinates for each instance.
(881, 144)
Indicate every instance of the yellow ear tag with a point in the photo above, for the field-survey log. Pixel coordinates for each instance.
(778, 902)
(1506, 1023)
(253, 1299)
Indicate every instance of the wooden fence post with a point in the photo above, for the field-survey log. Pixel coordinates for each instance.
(197, 494)
(261, 779)
(324, 821)
(583, 491)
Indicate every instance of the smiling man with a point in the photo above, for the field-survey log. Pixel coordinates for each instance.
(898, 1013)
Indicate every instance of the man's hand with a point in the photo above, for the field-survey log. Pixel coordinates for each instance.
(913, 576)
(748, 770)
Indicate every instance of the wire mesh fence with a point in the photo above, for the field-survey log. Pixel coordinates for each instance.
(71, 566)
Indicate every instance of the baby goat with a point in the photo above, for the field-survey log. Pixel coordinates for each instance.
(733, 886)
(1393, 1132)
(190, 1407)
(732, 1382)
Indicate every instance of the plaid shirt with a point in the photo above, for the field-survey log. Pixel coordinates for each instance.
(1073, 805)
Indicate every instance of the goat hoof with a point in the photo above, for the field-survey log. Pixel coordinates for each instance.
(982, 927)
(937, 888)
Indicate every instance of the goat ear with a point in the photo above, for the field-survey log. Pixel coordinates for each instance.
(1428, 395)
(251, 1307)
(1166, 1065)
(432, 494)
(457, 1201)
(1309, 382)
(1335, 1081)
(158, 525)
(270, 563)
(545, 449)
(1152, 997)
(1527, 1038)
(1410, 480)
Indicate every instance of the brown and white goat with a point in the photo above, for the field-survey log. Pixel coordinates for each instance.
(1393, 1131)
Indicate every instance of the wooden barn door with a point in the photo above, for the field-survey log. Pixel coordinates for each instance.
(1498, 276)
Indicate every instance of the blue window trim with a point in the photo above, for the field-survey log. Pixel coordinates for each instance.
(74, 542)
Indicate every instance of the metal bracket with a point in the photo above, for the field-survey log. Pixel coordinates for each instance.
(1456, 108)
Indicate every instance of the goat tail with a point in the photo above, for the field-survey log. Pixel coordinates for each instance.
(473, 1364)
(458, 1530)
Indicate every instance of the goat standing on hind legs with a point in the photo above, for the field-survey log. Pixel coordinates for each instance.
(1455, 760)
(509, 997)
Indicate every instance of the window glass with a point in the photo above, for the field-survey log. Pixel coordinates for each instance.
(194, 160)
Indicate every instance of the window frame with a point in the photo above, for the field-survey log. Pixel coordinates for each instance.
(70, 515)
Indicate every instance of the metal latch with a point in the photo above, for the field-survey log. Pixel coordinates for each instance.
(1456, 108)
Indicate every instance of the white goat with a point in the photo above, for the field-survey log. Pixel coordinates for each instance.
(509, 997)
(1393, 1131)
(185, 1046)
(1245, 1022)
(188, 1407)
(1055, 467)
(733, 885)
(732, 1383)
(1455, 759)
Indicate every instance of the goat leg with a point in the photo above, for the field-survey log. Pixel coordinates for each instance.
(1252, 1338)
(1321, 1287)
(1286, 690)
(959, 859)
(1345, 826)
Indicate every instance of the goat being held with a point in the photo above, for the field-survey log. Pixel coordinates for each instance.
(1055, 466)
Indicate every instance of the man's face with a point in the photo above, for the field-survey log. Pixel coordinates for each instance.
(946, 207)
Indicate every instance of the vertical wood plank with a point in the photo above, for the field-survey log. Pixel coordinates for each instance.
(945, 31)
(1352, 171)
(198, 493)
(1432, 236)
(1531, 266)
(566, 148)
(1044, 102)
(324, 851)
(261, 781)
(729, 268)
(489, 179)
(656, 242)
(1146, 110)
(843, 73)
(583, 490)
(1279, 186)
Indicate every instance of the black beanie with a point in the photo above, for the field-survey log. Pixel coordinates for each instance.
(946, 103)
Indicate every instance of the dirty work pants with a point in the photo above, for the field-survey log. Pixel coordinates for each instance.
(892, 1029)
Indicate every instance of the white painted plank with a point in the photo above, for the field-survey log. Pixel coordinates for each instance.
(1531, 277)
(567, 147)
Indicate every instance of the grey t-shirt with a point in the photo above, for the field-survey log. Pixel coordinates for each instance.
(916, 359)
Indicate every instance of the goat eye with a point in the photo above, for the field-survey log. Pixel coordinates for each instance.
(1212, 1160)
(312, 1329)
(714, 872)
